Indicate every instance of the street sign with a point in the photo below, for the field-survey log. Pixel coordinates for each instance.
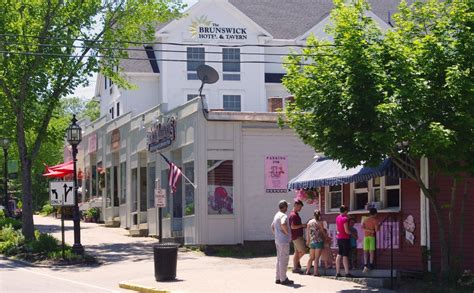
(160, 197)
(61, 193)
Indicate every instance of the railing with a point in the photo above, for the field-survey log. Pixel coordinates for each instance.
(388, 228)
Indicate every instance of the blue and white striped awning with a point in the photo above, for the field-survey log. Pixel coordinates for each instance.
(327, 172)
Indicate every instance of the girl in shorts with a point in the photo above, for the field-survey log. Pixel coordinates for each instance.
(315, 236)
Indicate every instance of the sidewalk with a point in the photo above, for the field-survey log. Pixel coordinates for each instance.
(129, 261)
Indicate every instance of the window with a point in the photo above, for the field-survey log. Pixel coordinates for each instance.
(133, 200)
(164, 185)
(382, 192)
(123, 182)
(142, 189)
(220, 186)
(111, 111)
(105, 82)
(108, 188)
(151, 185)
(118, 109)
(86, 191)
(189, 189)
(195, 57)
(231, 64)
(361, 195)
(231, 103)
(392, 187)
(334, 198)
(116, 191)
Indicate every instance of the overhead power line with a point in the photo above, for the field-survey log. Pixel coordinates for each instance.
(165, 43)
(7, 43)
(148, 59)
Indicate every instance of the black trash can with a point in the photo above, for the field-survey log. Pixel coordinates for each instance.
(166, 258)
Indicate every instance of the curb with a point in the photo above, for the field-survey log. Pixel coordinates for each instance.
(142, 289)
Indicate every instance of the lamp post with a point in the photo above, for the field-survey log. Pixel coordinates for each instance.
(74, 137)
(5, 142)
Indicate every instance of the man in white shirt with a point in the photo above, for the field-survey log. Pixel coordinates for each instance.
(281, 231)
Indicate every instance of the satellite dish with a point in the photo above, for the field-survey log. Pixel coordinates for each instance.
(207, 74)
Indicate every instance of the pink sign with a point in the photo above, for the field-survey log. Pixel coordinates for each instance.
(92, 143)
(276, 173)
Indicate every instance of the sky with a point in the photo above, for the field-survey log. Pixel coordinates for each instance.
(87, 93)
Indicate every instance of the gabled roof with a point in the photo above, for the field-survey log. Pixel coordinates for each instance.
(288, 19)
(138, 62)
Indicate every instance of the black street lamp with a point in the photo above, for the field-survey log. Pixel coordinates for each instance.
(74, 137)
(5, 142)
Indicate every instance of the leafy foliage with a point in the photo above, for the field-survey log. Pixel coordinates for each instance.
(5, 221)
(44, 243)
(405, 94)
(11, 240)
(52, 47)
(47, 209)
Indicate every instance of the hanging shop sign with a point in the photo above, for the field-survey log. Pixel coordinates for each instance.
(161, 135)
(115, 141)
(204, 29)
(276, 173)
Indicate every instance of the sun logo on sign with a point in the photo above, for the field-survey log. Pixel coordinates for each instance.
(198, 22)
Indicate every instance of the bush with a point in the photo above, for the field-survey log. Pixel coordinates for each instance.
(2, 214)
(47, 209)
(45, 243)
(11, 240)
(16, 224)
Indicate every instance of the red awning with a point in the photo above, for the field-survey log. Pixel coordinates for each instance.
(60, 170)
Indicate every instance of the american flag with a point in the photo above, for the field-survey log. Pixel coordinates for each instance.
(173, 175)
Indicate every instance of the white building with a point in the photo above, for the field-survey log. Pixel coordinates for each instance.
(229, 153)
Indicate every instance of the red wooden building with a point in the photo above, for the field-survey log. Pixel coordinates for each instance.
(407, 221)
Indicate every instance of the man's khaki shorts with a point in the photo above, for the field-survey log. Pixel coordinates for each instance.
(299, 245)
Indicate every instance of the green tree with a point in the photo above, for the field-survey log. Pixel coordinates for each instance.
(89, 109)
(48, 48)
(405, 94)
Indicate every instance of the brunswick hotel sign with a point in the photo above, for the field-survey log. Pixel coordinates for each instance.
(161, 135)
(202, 28)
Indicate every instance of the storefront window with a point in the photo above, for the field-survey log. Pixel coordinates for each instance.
(87, 182)
(189, 189)
(134, 190)
(151, 185)
(94, 181)
(123, 182)
(164, 185)
(108, 189)
(116, 191)
(143, 177)
(220, 184)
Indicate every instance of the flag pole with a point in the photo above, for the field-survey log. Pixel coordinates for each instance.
(182, 173)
